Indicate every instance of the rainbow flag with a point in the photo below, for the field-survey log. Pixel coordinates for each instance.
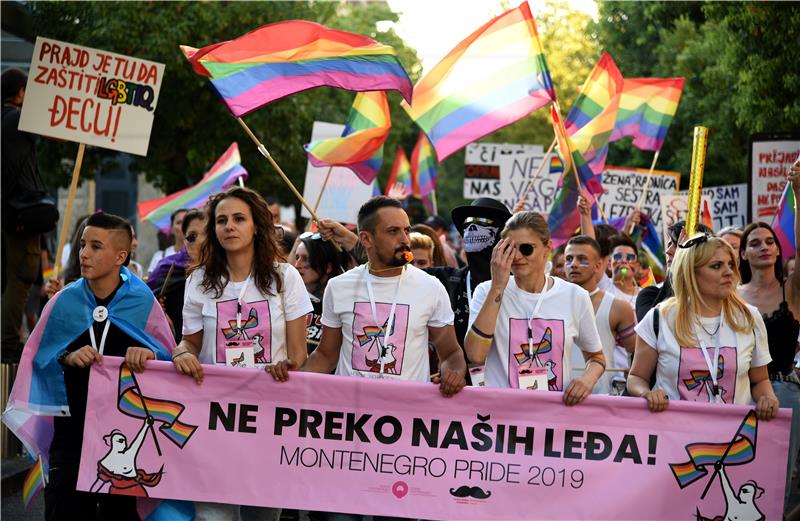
(34, 482)
(225, 172)
(494, 77)
(283, 58)
(783, 222)
(591, 119)
(361, 146)
(401, 173)
(133, 403)
(646, 109)
(423, 169)
(741, 450)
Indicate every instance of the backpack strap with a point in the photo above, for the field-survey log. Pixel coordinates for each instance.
(655, 321)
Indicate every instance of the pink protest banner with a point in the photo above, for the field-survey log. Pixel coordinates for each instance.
(393, 448)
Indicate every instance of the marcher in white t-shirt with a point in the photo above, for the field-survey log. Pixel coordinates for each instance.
(522, 323)
(242, 307)
(711, 346)
(613, 316)
(378, 318)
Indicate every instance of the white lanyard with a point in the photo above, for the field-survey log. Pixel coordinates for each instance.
(712, 365)
(533, 315)
(239, 305)
(390, 318)
(102, 337)
(469, 290)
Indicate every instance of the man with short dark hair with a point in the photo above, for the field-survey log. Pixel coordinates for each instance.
(107, 312)
(614, 317)
(375, 321)
(21, 254)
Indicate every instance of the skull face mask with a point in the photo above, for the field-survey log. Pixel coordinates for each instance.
(479, 236)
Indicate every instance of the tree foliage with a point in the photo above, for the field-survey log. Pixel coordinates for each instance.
(735, 57)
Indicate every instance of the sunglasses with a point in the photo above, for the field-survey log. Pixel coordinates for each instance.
(480, 220)
(191, 238)
(314, 236)
(526, 248)
(629, 257)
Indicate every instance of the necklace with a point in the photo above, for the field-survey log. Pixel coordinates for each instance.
(711, 333)
(381, 270)
(594, 292)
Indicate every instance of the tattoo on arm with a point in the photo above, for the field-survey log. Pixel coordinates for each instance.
(498, 298)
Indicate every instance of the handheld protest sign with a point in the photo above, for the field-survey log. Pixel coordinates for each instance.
(91, 96)
(699, 146)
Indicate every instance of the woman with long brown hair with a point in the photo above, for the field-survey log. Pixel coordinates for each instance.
(242, 306)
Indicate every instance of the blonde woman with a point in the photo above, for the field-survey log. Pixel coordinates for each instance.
(422, 249)
(709, 344)
(522, 323)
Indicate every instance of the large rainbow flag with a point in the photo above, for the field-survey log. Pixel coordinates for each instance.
(741, 449)
(225, 172)
(283, 58)
(646, 110)
(783, 222)
(361, 146)
(423, 169)
(401, 173)
(590, 121)
(494, 77)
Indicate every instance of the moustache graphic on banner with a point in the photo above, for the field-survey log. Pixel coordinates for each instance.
(467, 491)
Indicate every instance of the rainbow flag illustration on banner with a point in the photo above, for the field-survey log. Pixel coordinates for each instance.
(132, 403)
(494, 77)
(646, 109)
(225, 172)
(34, 482)
(740, 450)
(361, 146)
(783, 222)
(423, 169)
(283, 58)
(591, 119)
(401, 173)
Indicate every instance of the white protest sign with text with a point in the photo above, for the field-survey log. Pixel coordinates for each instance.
(345, 192)
(91, 96)
(623, 190)
(771, 161)
(482, 177)
(728, 204)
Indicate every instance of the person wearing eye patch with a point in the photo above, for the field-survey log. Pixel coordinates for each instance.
(522, 323)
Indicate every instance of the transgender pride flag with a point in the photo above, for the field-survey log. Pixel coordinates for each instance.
(225, 172)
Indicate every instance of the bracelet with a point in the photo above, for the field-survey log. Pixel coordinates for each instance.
(480, 333)
(480, 339)
(594, 361)
(181, 354)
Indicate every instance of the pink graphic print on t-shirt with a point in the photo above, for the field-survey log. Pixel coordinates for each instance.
(255, 325)
(694, 379)
(370, 348)
(547, 350)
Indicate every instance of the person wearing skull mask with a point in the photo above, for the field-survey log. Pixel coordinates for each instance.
(479, 224)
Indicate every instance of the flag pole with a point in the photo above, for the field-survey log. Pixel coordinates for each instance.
(62, 237)
(264, 152)
(144, 406)
(435, 203)
(536, 174)
(574, 166)
(725, 454)
(241, 181)
(643, 197)
(324, 184)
